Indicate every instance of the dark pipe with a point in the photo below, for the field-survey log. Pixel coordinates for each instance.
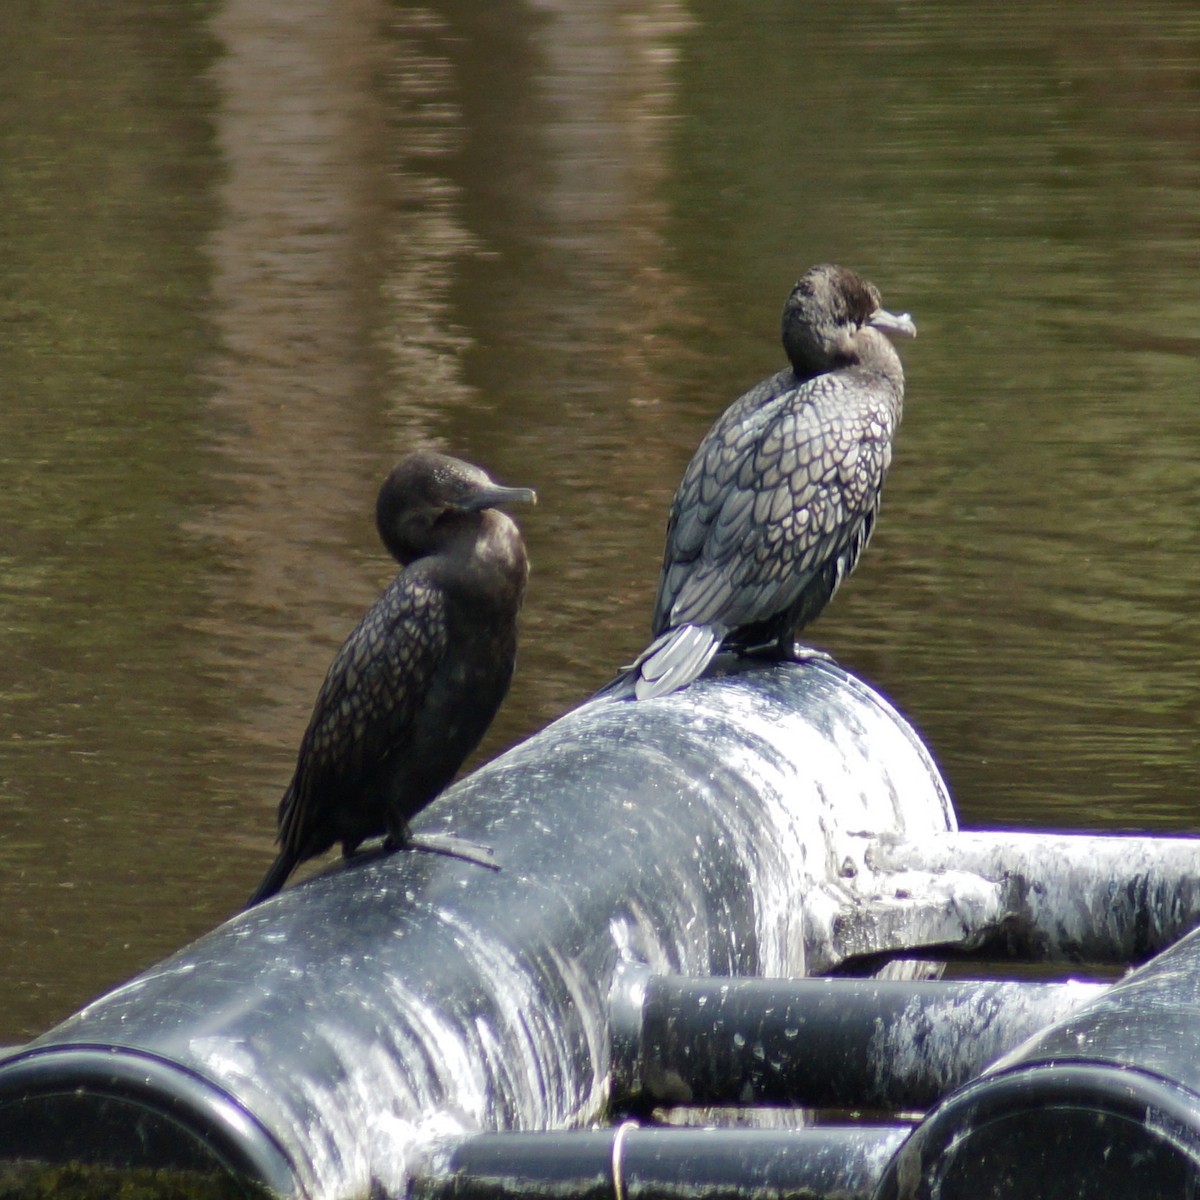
(94, 1106)
(352, 1019)
(664, 1164)
(819, 1043)
(1104, 1103)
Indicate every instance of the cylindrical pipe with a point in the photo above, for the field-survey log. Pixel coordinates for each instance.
(103, 1107)
(356, 1016)
(821, 1043)
(632, 1163)
(1103, 1103)
(1083, 898)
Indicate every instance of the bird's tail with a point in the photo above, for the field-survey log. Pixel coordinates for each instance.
(676, 658)
(620, 687)
(670, 662)
(275, 878)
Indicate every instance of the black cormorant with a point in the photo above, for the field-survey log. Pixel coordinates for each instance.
(780, 498)
(414, 687)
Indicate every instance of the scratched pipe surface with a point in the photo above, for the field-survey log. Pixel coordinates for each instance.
(332, 1035)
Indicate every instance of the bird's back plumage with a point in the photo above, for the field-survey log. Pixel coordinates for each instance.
(417, 682)
(778, 502)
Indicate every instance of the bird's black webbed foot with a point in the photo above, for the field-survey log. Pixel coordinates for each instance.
(447, 844)
(797, 652)
(784, 651)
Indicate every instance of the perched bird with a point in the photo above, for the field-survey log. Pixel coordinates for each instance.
(780, 498)
(414, 687)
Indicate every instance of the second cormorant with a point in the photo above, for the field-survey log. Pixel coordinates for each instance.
(780, 499)
(417, 683)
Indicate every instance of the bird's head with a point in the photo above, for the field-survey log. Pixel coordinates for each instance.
(428, 495)
(826, 316)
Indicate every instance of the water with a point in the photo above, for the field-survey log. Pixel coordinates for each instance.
(251, 252)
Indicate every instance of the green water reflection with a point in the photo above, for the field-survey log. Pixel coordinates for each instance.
(251, 252)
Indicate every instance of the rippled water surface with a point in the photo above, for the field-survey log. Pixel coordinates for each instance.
(250, 252)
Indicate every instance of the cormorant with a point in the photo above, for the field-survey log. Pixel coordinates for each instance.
(780, 498)
(414, 687)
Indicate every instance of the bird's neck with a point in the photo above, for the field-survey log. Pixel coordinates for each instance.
(876, 353)
(486, 557)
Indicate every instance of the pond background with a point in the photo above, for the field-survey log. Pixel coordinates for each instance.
(252, 251)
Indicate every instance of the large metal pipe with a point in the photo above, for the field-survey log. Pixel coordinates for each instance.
(322, 1041)
(1103, 1103)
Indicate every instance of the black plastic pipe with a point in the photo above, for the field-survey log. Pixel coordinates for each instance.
(319, 1043)
(106, 1106)
(630, 1163)
(818, 1043)
(1104, 1103)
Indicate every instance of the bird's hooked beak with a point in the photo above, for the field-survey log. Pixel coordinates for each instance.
(496, 496)
(893, 324)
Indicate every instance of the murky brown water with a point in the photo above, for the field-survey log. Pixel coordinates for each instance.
(250, 252)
